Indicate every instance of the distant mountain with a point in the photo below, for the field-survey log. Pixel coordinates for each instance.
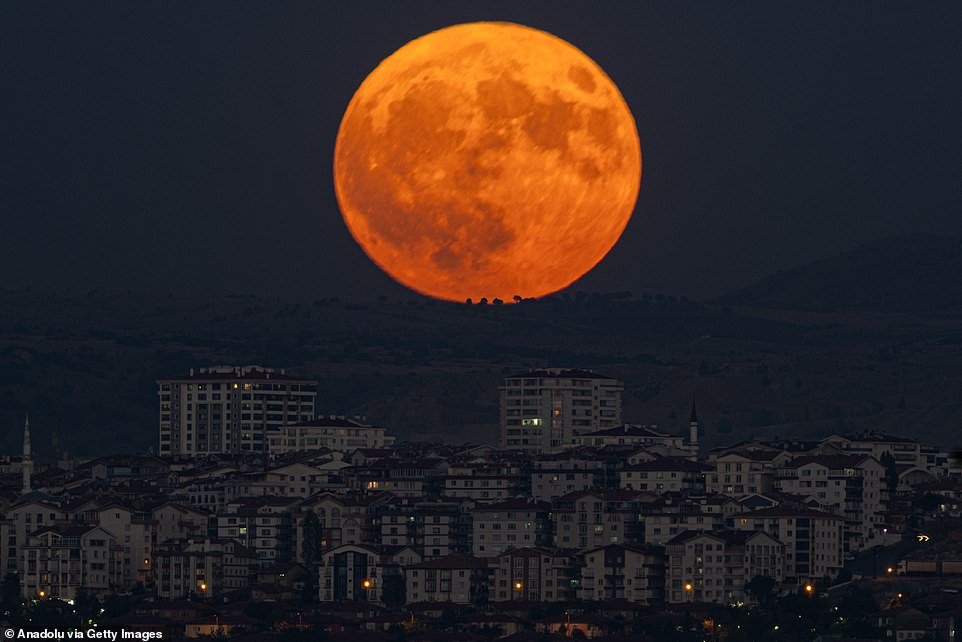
(920, 274)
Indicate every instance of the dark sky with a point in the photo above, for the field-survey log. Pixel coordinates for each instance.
(187, 146)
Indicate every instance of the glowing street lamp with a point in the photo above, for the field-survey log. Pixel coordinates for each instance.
(366, 584)
(809, 588)
(889, 570)
(518, 586)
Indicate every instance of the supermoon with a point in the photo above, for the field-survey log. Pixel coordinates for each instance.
(487, 160)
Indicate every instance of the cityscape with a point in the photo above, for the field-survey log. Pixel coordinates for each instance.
(486, 321)
(259, 518)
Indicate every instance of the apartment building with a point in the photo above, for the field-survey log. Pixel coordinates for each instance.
(486, 480)
(135, 533)
(352, 572)
(664, 475)
(715, 566)
(813, 539)
(745, 471)
(623, 572)
(534, 574)
(28, 514)
(456, 578)
(179, 521)
(594, 518)
(204, 568)
(442, 528)
(544, 410)
(516, 523)
(230, 409)
(852, 486)
(263, 525)
(560, 474)
(905, 451)
(66, 561)
(648, 437)
(333, 432)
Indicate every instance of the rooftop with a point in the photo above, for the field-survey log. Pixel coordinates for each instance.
(453, 562)
(559, 373)
(628, 430)
(237, 373)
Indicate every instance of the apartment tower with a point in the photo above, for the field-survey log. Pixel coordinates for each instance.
(229, 410)
(543, 410)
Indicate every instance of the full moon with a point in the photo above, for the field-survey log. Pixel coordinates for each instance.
(487, 160)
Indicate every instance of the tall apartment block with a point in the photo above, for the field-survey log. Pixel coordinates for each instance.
(230, 409)
(543, 410)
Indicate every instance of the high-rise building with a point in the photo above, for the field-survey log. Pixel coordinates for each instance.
(230, 410)
(543, 410)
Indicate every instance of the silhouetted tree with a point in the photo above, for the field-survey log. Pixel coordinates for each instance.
(891, 472)
(761, 587)
(393, 590)
(311, 536)
(10, 596)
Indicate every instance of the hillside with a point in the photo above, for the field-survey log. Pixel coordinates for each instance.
(85, 365)
(920, 274)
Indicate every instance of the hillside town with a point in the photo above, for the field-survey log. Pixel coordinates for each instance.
(257, 518)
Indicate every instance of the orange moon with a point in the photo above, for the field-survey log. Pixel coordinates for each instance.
(487, 160)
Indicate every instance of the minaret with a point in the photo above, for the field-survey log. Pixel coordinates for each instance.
(693, 426)
(26, 464)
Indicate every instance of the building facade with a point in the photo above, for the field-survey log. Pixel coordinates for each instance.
(616, 572)
(456, 578)
(812, 539)
(715, 567)
(544, 410)
(229, 410)
(335, 433)
(852, 486)
(534, 574)
(516, 523)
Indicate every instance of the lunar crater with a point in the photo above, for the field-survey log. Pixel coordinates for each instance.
(582, 77)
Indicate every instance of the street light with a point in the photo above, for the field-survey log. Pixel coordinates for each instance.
(366, 584)
(518, 586)
(889, 570)
(809, 588)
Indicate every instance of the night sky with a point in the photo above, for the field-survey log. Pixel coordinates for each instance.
(187, 146)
